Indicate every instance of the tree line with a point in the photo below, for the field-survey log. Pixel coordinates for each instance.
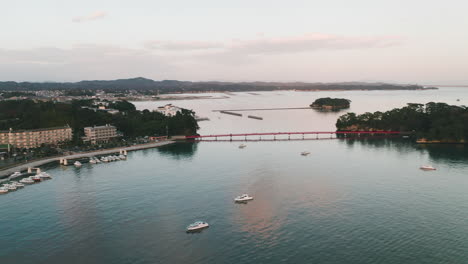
(432, 121)
(28, 114)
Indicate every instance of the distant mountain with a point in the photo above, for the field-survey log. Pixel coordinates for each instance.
(174, 86)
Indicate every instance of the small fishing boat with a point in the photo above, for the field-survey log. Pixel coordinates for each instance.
(92, 161)
(122, 157)
(3, 190)
(104, 159)
(241, 146)
(77, 164)
(27, 181)
(243, 198)
(305, 153)
(199, 225)
(427, 168)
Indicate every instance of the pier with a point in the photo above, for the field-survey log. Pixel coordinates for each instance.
(255, 117)
(230, 113)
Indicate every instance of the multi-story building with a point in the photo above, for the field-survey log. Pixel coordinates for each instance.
(33, 138)
(97, 134)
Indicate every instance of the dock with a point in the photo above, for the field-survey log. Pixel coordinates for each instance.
(34, 164)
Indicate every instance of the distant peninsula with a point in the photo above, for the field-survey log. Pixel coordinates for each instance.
(430, 123)
(328, 103)
(148, 86)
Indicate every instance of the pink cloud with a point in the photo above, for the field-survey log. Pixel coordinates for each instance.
(90, 17)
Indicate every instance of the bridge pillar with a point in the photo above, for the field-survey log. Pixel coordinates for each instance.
(274, 137)
(289, 136)
(29, 170)
(230, 137)
(302, 136)
(316, 135)
(331, 135)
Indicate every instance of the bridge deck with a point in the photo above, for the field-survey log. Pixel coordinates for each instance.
(297, 133)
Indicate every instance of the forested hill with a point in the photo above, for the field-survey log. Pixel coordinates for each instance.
(432, 121)
(28, 114)
(173, 86)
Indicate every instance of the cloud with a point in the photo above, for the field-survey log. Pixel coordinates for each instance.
(183, 45)
(292, 44)
(90, 17)
(82, 62)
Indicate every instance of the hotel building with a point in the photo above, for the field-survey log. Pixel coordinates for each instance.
(34, 138)
(97, 134)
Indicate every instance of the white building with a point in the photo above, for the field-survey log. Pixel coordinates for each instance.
(168, 110)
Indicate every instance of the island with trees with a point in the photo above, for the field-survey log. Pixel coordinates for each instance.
(431, 122)
(333, 104)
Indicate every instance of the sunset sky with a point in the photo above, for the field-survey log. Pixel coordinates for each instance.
(423, 42)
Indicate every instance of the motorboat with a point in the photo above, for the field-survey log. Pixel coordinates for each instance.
(17, 184)
(77, 164)
(16, 174)
(3, 190)
(10, 187)
(97, 160)
(44, 175)
(305, 153)
(27, 181)
(104, 159)
(122, 157)
(36, 178)
(92, 161)
(199, 225)
(427, 168)
(241, 146)
(243, 198)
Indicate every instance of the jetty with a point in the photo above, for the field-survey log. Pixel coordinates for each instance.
(230, 113)
(255, 117)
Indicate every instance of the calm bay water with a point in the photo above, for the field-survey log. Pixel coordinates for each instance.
(349, 201)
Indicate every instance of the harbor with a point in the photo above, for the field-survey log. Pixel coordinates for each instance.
(4, 174)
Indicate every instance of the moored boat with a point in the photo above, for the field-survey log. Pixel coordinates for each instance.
(3, 190)
(305, 153)
(17, 184)
(77, 164)
(27, 181)
(199, 225)
(44, 175)
(241, 146)
(10, 187)
(36, 178)
(16, 174)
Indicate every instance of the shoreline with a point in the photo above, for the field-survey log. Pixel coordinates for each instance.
(36, 163)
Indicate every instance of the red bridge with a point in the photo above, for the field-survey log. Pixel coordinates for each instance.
(317, 133)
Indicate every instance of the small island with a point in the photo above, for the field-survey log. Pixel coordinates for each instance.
(430, 123)
(332, 104)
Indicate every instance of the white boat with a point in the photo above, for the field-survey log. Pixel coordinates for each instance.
(122, 157)
(16, 174)
(17, 184)
(197, 226)
(241, 146)
(305, 153)
(27, 181)
(427, 168)
(243, 198)
(10, 187)
(44, 175)
(104, 159)
(92, 161)
(3, 190)
(97, 160)
(77, 164)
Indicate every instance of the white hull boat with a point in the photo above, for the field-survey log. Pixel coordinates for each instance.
(77, 164)
(242, 146)
(3, 190)
(427, 168)
(305, 153)
(197, 226)
(27, 181)
(243, 198)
